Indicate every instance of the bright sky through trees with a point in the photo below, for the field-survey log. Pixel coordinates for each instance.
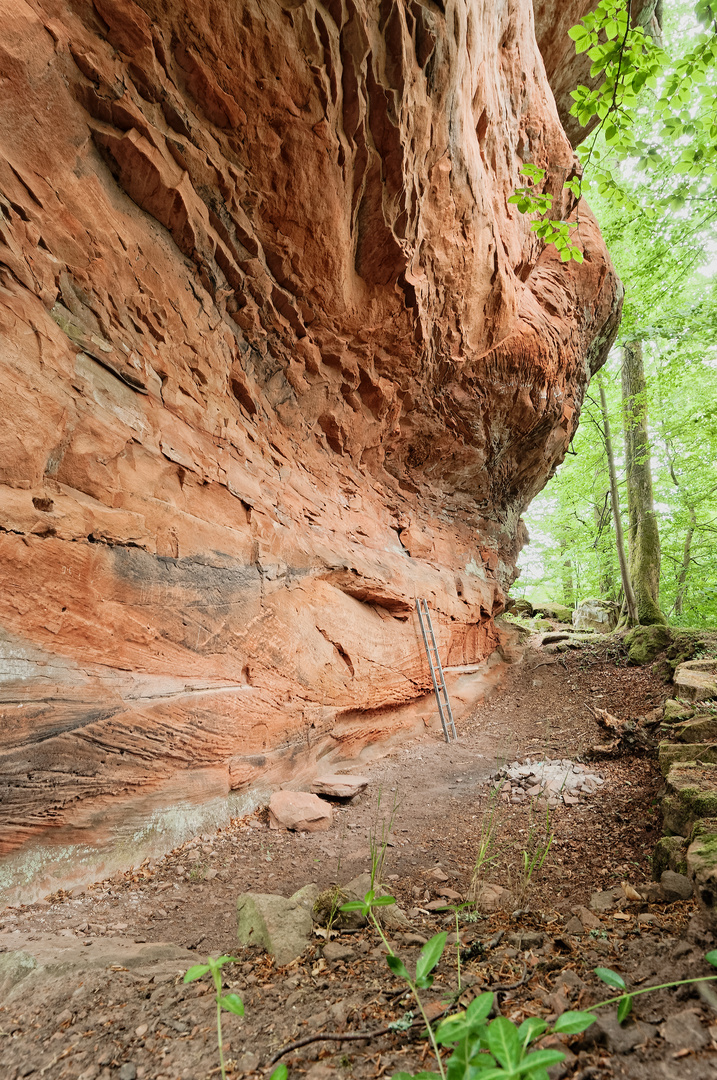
(651, 179)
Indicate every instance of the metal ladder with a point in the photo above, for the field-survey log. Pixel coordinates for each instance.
(434, 662)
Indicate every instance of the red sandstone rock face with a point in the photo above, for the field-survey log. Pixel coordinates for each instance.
(277, 357)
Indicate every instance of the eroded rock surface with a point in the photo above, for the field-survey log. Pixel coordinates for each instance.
(277, 357)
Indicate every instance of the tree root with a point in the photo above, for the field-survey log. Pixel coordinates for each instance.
(355, 1036)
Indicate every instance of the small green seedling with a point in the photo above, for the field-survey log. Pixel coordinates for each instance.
(230, 1002)
(495, 1050)
(366, 907)
(624, 1001)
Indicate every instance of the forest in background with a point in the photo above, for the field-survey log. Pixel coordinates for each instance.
(651, 180)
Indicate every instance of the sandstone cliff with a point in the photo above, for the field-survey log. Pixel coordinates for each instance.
(277, 356)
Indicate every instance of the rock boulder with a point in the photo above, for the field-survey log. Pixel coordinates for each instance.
(339, 785)
(299, 811)
(283, 926)
(600, 615)
(677, 711)
(696, 680)
(691, 795)
(702, 867)
(559, 612)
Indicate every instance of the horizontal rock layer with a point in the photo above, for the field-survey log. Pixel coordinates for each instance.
(278, 356)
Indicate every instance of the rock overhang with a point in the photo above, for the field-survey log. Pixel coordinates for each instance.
(280, 357)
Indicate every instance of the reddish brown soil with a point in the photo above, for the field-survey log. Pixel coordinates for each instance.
(92, 1024)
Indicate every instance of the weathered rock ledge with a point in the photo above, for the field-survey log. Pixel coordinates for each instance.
(277, 357)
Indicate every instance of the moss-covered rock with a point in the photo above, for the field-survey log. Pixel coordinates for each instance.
(282, 926)
(691, 794)
(559, 612)
(645, 642)
(701, 729)
(703, 827)
(702, 868)
(686, 644)
(326, 909)
(696, 680)
(670, 854)
(668, 753)
(676, 711)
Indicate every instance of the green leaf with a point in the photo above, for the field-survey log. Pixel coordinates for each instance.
(503, 1042)
(383, 901)
(215, 965)
(452, 1030)
(354, 905)
(281, 1072)
(610, 977)
(531, 1029)
(398, 967)
(430, 954)
(624, 1008)
(233, 1004)
(571, 1023)
(196, 972)
(478, 1010)
(541, 1059)
(416, 1076)
(495, 1074)
(577, 32)
(711, 957)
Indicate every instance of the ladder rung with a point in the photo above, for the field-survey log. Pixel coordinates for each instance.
(434, 663)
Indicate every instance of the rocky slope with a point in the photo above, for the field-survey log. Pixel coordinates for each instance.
(277, 357)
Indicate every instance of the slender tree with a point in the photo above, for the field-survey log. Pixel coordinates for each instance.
(630, 601)
(643, 534)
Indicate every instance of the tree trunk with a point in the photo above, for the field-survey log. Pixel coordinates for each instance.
(614, 499)
(566, 574)
(643, 536)
(603, 547)
(686, 558)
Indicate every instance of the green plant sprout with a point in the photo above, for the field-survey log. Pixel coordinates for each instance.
(487, 840)
(456, 909)
(230, 1002)
(366, 907)
(500, 1049)
(624, 1001)
(378, 847)
(536, 851)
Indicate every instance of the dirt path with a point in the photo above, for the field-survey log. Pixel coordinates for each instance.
(117, 1007)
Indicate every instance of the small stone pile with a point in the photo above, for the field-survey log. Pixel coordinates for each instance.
(554, 780)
